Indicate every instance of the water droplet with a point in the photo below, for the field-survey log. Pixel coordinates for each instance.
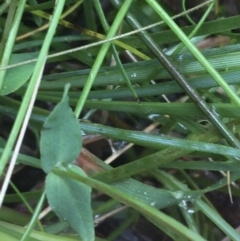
(153, 204)
(190, 211)
(188, 205)
(177, 194)
(153, 116)
(97, 220)
(183, 204)
(145, 193)
(234, 128)
(97, 216)
(237, 158)
(118, 145)
(134, 75)
(83, 133)
(214, 110)
(180, 58)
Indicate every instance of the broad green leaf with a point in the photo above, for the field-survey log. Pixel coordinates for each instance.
(71, 201)
(17, 76)
(60, 137)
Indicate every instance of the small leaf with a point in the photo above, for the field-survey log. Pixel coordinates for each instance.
(60, 137)
(70, 200)
(18, 76)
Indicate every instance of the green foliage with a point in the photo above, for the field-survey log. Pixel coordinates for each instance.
(61, 143)
(16, 77)
(119, 82)
(60, 137)
(71, 201)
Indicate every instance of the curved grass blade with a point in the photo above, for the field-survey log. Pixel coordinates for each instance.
(160, 219)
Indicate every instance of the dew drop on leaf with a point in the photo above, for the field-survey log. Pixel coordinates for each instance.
(188, 204)
(153, 204)
(177, 194)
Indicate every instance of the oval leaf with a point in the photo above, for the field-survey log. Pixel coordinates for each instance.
(18, 76)
(71, 201)
(60, 137)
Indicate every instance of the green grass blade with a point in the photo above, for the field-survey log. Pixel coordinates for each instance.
(31, 87)
(217, 77)
(101, 56)
(11, 39)
(159, 218)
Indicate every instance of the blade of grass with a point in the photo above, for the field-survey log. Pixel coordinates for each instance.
(108, 40)
(89, 17)
(155, 195)
(11, 39)
(197, 27)
(4, 6)
(225, 58)
(154, 160)
(34, 218)
(174, 184)
(156, 141)
(187, 15)
(36, 235)
(8, 24)
(29, 97)
(159, 218)
(216, 76)
(192, 93)
(28, 206)
(126, 224)
(92, 75)
(114, 50)
(93, 34)
(218, 26)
